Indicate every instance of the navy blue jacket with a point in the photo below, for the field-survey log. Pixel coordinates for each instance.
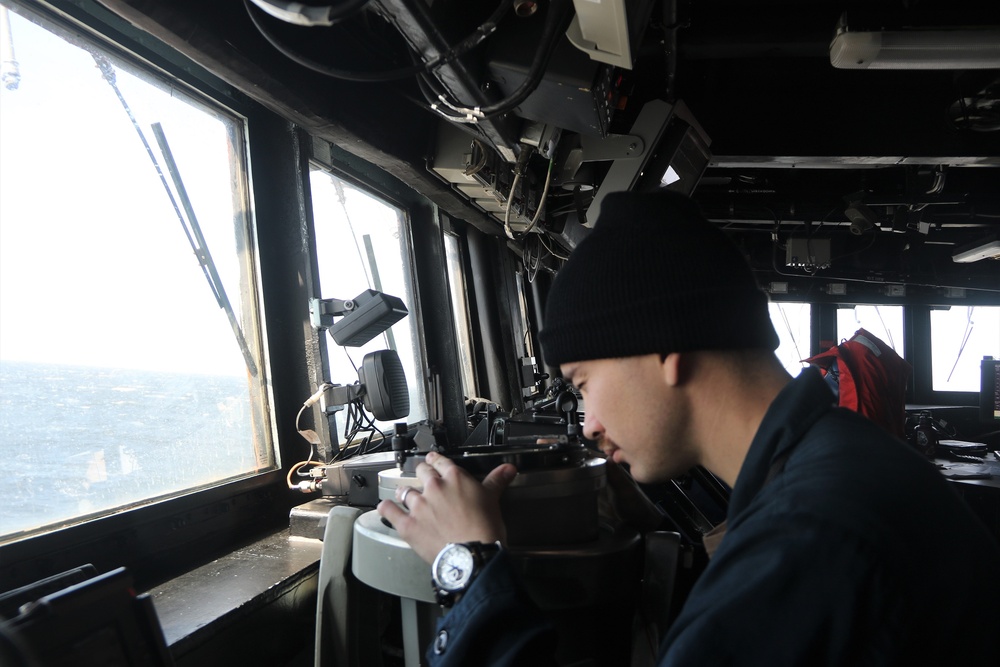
(856, 553)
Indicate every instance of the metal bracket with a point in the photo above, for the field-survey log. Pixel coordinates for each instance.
(595, 149)
(649, 126)
(322, 311)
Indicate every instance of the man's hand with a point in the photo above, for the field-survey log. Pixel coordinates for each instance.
(453, 507)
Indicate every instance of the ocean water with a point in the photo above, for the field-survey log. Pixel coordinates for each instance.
(78, 440)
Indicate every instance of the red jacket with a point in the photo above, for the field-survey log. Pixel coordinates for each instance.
(872, 379)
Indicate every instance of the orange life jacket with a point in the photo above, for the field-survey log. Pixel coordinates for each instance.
(870, 377)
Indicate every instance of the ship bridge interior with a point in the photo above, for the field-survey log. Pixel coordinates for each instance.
(852, 141)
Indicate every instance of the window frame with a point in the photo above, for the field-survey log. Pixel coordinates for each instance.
(916, 340)
(324, 341)
(162, 538)
(459, 284)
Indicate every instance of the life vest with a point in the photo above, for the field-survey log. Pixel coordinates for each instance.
(869, 377)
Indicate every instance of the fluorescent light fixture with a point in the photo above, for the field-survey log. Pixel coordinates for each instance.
(988, 248)
(965, 47)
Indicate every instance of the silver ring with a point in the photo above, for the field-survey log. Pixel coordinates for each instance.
(402, 496)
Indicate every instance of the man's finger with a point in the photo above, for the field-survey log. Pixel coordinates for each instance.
(425, 472)
(438, 462)
(500, 478)
(391, 512)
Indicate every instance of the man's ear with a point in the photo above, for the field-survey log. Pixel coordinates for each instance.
(674, 368)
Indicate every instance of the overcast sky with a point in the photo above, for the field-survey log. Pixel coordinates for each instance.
(95, 268)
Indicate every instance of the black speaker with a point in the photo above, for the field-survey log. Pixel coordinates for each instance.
(385, 394)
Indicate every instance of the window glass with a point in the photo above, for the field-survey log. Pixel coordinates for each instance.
(362, 243)
(122, 376)
(960, 337)
(883, 322)
(791, 321)
(460, 310)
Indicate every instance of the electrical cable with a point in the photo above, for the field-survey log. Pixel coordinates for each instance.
(541, 199)
(345, 75)
(464, 46)
(529, 265)
(836, 278)
(551, 252)
(304, 15)
(510, 202)
(477, 147)
(356, 421)
(519, 168)
(431, 97)
(295, 468)
(560, 14)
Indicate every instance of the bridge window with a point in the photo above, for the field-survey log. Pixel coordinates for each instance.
(791, 321)
(130, 351)
(364, 243)
(960, 337)
(883, 322)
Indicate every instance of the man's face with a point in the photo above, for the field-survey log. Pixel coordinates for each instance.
(635, 414)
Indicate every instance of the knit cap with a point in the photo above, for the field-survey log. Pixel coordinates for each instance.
(653, 277)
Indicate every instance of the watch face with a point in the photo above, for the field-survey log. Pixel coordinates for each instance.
(453, 567)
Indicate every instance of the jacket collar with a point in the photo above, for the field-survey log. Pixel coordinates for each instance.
(794, 410)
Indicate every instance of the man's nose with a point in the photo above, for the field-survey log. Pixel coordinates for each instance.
(592, 428)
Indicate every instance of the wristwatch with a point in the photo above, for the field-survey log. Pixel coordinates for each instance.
(457, 565)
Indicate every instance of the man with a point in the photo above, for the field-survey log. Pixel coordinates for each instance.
(843, 547)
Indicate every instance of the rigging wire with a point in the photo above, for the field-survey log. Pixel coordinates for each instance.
(791, 334)
(885, 327)
(965, 339)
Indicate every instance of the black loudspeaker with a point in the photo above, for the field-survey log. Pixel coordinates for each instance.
(386, 395)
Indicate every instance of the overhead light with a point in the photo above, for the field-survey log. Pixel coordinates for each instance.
(958, 47)
(988, 248)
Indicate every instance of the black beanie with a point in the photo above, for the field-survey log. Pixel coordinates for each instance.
(653, 277)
